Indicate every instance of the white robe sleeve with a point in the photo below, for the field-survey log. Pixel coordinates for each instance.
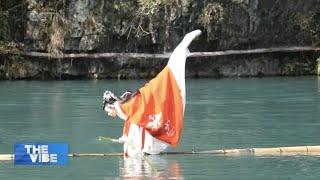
(120, 113)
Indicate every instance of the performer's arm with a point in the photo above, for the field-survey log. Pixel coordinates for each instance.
(119, 111)
(123, 100)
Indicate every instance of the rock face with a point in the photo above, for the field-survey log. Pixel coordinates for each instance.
(77, 26)
(268, 64)
(115, 26)
(86, 26)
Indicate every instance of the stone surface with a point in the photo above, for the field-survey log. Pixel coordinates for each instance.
(109, 26)
(105, 26)
(268, 64)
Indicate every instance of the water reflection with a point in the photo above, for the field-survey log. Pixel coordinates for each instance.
(153, 166)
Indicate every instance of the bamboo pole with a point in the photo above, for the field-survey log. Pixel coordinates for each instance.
(273, 151)
(96, 55)
(167, 55)
(6, 157)
(255, 51)
(94, 154)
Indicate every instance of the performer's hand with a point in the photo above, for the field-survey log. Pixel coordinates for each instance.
(122, 139)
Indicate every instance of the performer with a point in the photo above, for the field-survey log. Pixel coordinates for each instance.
(154, 114)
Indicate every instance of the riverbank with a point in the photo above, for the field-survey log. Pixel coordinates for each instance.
(288, 61)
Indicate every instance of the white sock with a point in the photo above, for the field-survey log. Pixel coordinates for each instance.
(188, 38)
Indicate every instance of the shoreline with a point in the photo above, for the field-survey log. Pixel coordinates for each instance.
(265, 62)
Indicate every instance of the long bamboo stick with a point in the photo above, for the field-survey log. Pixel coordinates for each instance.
(167, 55)
(273, 151)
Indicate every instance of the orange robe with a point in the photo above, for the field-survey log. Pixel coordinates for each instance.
(158, 108)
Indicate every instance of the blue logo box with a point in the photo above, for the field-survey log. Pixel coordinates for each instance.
(40, 153)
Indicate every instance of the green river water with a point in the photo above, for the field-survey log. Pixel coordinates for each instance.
(220, 114)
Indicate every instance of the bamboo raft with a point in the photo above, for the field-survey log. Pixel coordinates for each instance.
(273, 151)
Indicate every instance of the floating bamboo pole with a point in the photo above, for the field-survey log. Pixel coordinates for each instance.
(6, 157)
(167, 55)
(273, 151)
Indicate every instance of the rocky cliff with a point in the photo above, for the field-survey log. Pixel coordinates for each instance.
(156, 26)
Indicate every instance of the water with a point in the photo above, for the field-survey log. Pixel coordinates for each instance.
(224, 113)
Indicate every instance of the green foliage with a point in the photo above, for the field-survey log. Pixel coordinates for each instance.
(211, 17)
(149, 7)
(160, 13)
(242, 3)
(4, 30)
(306, 23)
(52, 23)
(12, 20)
(58, 30)
(125, 22)
(145, 18)
(2, 70)
(9, 48)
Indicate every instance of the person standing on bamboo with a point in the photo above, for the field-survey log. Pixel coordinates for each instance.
(154, 114)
